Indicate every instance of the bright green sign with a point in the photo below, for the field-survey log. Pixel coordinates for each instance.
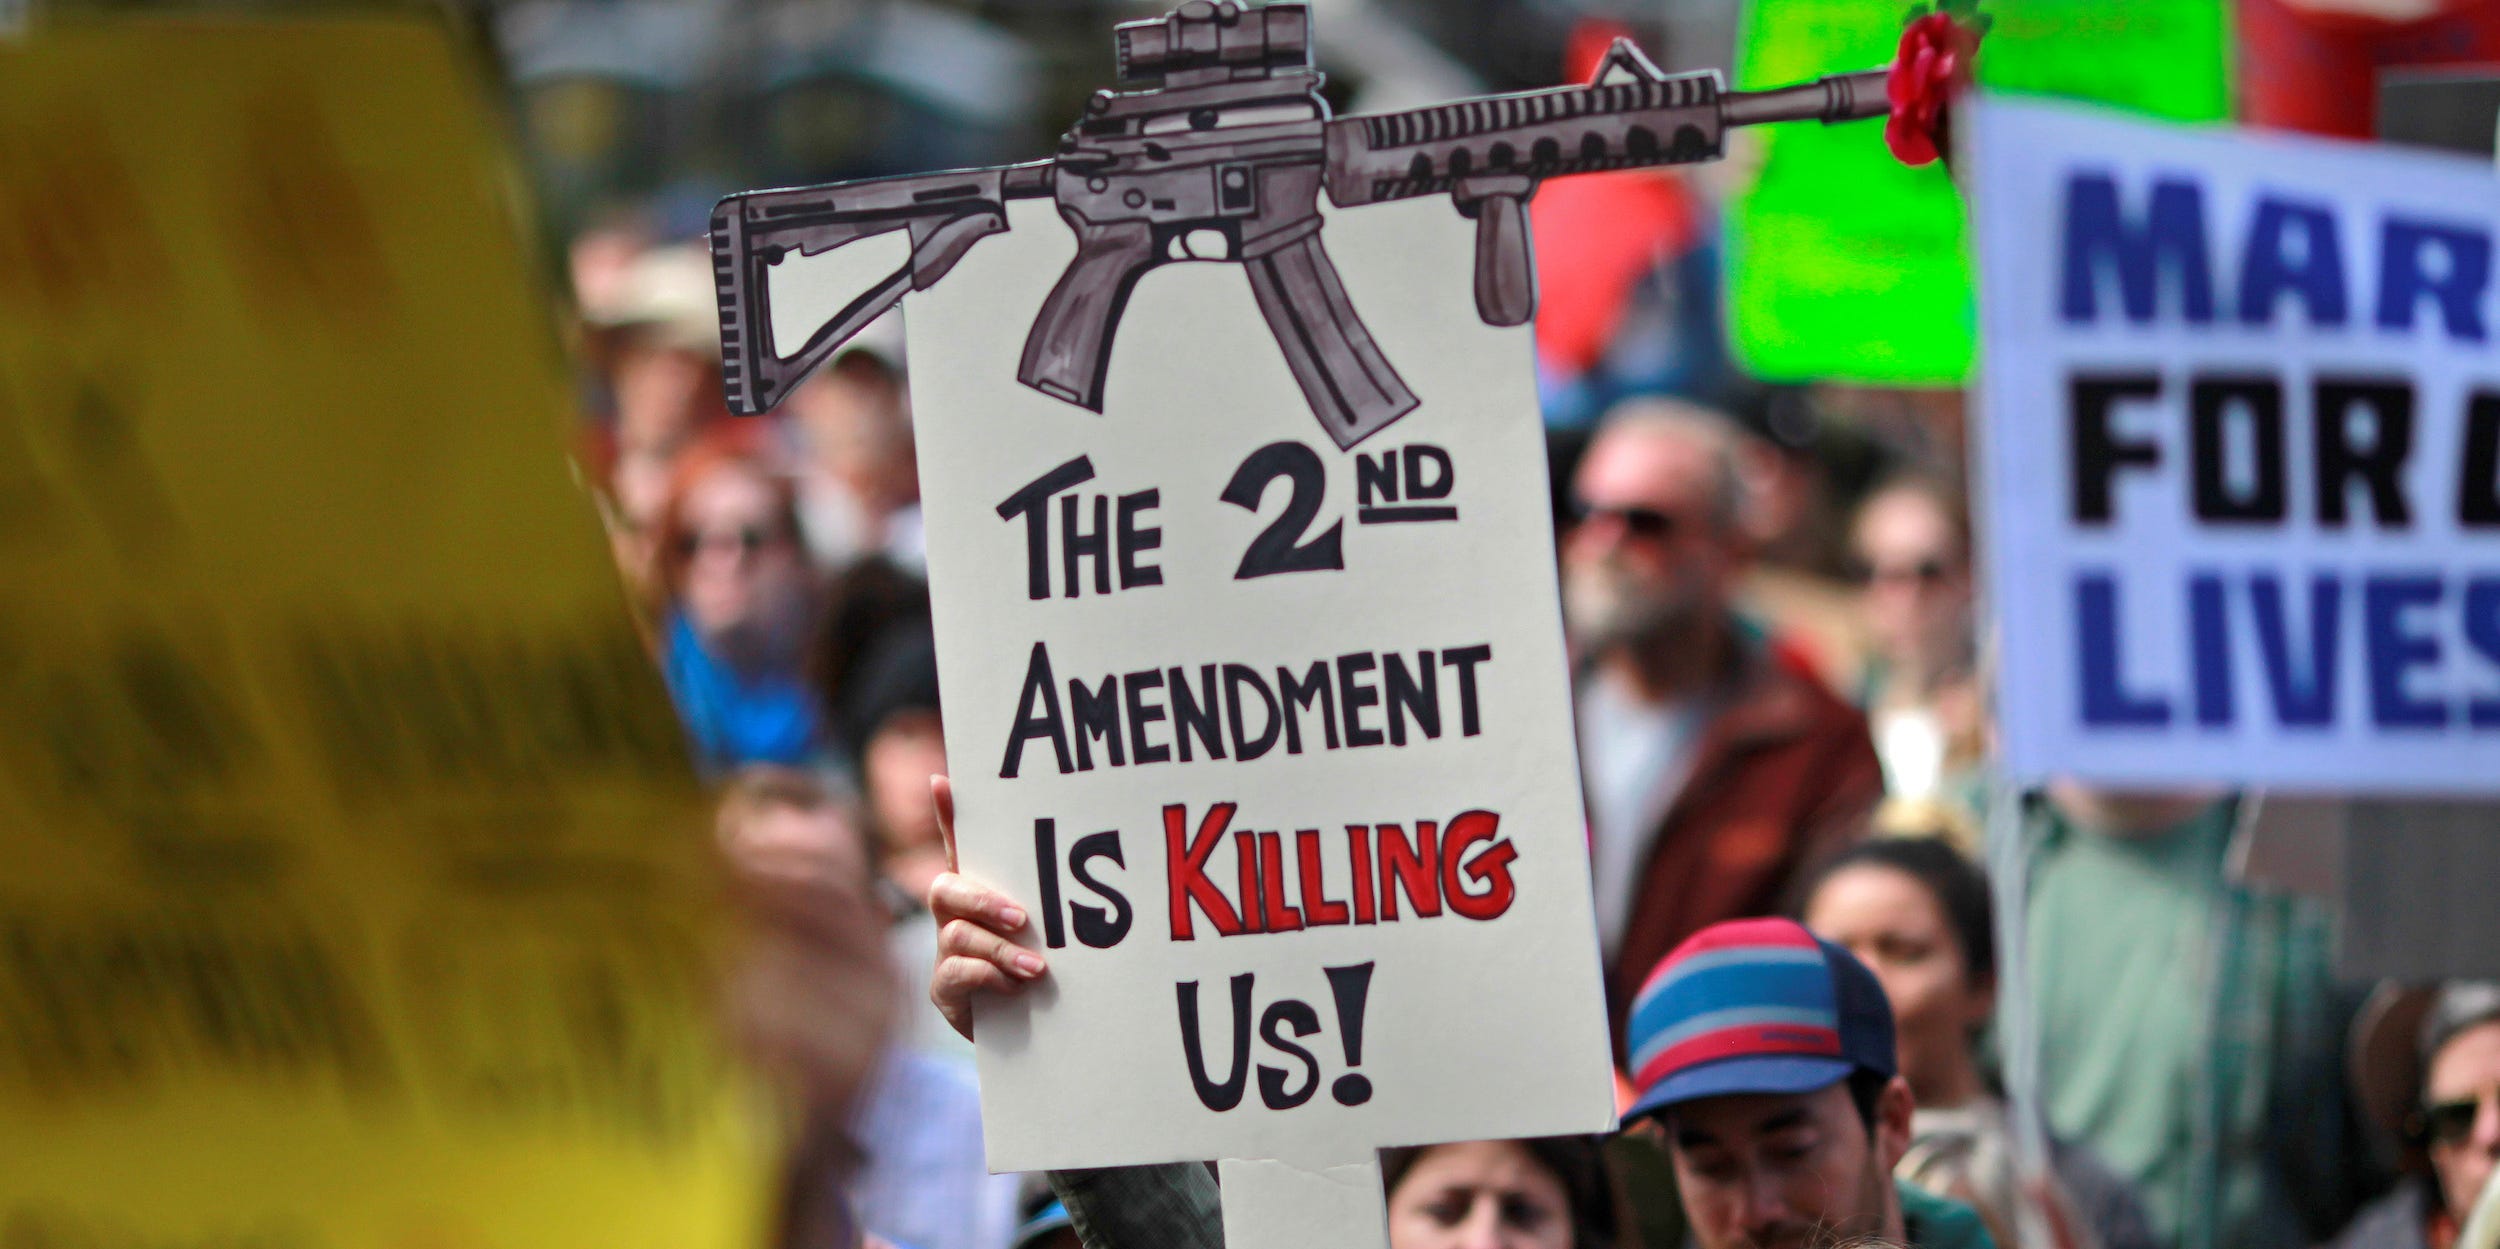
(1845, 264)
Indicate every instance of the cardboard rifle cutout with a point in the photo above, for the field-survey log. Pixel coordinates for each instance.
(1217, 147)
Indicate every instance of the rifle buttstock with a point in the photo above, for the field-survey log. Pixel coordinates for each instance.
(757, 236)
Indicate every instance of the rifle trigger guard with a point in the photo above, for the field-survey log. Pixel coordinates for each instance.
(1505, 267)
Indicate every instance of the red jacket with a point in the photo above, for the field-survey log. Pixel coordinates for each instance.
(1784, 776)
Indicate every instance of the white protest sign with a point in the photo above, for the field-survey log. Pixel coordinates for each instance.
(2241, 420)
(1244, 574)
(1273, 738)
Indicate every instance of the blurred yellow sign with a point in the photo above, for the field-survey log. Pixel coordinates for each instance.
(353, 883)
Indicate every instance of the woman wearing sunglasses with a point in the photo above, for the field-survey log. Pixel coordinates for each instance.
(741, 609)
(1911, 554)
(2454, 1122)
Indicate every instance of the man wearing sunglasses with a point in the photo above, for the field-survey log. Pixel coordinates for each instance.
(2456, 1124)
(1715, 772)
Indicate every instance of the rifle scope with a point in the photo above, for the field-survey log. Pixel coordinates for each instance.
(1213, 42)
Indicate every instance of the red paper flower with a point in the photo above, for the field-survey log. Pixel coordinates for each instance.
(1933, 66)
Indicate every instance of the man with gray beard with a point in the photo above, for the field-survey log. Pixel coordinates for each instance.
(1717, 773)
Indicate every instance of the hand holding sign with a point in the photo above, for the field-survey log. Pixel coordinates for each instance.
(976, 930)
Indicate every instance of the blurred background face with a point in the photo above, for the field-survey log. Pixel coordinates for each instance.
(601, 261)
(858, 429)
(818, 845)
(1897, 927)
(1917, 599)
(809, 993)
(1648, 563)
(743, 583)
(907, 749)
(638, 493)
(663, 393)
(1479, 1195)
(2464, 1145)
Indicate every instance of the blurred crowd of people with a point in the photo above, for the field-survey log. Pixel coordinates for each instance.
(1769, 598)
(1780, 707)
(776, 569)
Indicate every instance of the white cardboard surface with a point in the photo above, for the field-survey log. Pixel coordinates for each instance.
(1472, 1027)
(2407, 696)
(1270, 1204)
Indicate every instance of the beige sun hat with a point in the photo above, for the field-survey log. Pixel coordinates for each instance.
(667, 293)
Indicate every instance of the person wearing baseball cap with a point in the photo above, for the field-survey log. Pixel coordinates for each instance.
(1762, 1056)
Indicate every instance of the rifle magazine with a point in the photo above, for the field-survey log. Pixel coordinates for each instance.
(1349, 382)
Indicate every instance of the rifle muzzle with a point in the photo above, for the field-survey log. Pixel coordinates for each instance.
(1838, 98)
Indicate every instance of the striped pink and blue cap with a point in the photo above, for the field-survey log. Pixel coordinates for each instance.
(1754, 1006)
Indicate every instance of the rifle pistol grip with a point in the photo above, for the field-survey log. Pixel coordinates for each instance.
(1068, 353)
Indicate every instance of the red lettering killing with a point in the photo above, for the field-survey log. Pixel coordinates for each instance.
(1186, 859)
(1281, 915)
(1316, 905)
(1489, 870)
(1409, 868)
(1358, 843)
(1380, 874)
(1253, 897)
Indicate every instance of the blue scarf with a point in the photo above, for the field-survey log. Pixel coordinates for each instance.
(732, 719)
